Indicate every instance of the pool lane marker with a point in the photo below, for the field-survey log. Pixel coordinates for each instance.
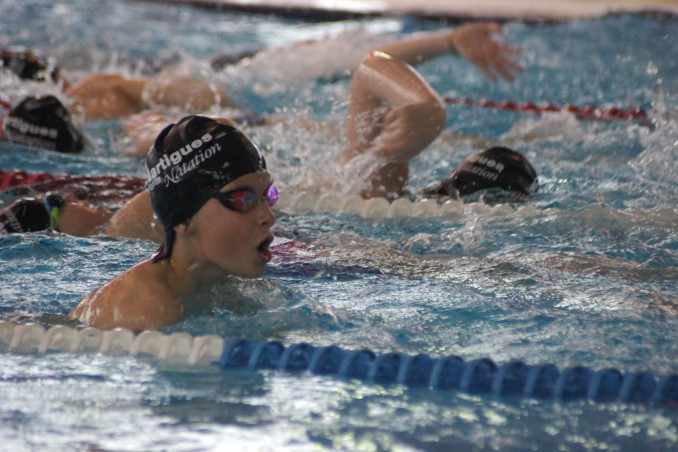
(451, 373)
(589, 112)
(379, 208)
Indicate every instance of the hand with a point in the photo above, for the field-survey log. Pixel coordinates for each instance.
(474, 42)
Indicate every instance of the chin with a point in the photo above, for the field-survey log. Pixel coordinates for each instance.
(251, 273)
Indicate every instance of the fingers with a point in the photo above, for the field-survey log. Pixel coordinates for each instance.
(493, 58)
(498, 62)
(487, 69)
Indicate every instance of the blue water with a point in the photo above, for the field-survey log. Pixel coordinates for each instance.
(588, 278)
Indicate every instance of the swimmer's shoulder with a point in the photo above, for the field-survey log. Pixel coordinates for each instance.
(138, 299)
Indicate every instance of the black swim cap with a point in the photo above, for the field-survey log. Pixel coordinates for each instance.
(43, 122)
(29, 64)
(497, 167)
(189, 163)
(25, 215)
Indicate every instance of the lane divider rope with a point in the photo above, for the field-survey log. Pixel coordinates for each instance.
(587, 112)
(377, 208)
(450, 373)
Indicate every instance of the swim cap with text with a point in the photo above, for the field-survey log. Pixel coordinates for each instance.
(497, 167)
(190, 162)
(43, 122)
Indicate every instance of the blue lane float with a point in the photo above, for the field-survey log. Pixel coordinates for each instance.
(452, 373)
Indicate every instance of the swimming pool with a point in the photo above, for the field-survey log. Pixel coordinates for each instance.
(585, 276)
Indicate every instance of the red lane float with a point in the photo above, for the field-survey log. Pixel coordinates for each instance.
(587, 112)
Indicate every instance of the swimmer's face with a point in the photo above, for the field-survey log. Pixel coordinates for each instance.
(237, 242)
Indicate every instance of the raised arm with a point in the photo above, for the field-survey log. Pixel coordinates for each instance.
(394, 114)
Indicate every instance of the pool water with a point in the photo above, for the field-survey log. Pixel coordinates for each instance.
(586, 276)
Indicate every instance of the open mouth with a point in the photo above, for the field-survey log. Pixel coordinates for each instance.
(264, 249)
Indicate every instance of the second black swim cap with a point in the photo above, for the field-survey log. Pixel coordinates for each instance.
(43, 122)
(29, 64)
(191, 161)
(25, 215)
(497, 167)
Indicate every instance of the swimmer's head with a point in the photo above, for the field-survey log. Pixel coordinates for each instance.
(25, 215)
(29, 64)
(43, 122)
(494, 168)
(188, 165)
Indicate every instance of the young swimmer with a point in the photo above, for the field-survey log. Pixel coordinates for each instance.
(211, 191)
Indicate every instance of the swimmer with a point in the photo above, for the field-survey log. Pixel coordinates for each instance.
(401, 115)
(54, 212)
(111, 96)
(211, 191)
(42, 122)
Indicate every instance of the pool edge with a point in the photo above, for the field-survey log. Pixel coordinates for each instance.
(449, 10)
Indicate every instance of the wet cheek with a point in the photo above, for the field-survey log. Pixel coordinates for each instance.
(226, 243)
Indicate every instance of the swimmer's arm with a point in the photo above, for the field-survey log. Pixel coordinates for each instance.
(415, 114)
(81, 220)
(175, 90)
(136, 220)
(419, 48)
(473, 41)
(393, 116)
(107, 96)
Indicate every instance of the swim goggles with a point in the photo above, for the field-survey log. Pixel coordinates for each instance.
(244, 200)
(54, 205)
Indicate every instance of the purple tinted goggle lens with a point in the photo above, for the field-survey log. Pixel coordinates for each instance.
(244, 200)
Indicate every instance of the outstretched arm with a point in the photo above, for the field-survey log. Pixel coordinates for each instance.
(107, 96)
(110, 96)
(473, 41)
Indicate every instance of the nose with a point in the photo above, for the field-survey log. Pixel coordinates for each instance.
(266, 214)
